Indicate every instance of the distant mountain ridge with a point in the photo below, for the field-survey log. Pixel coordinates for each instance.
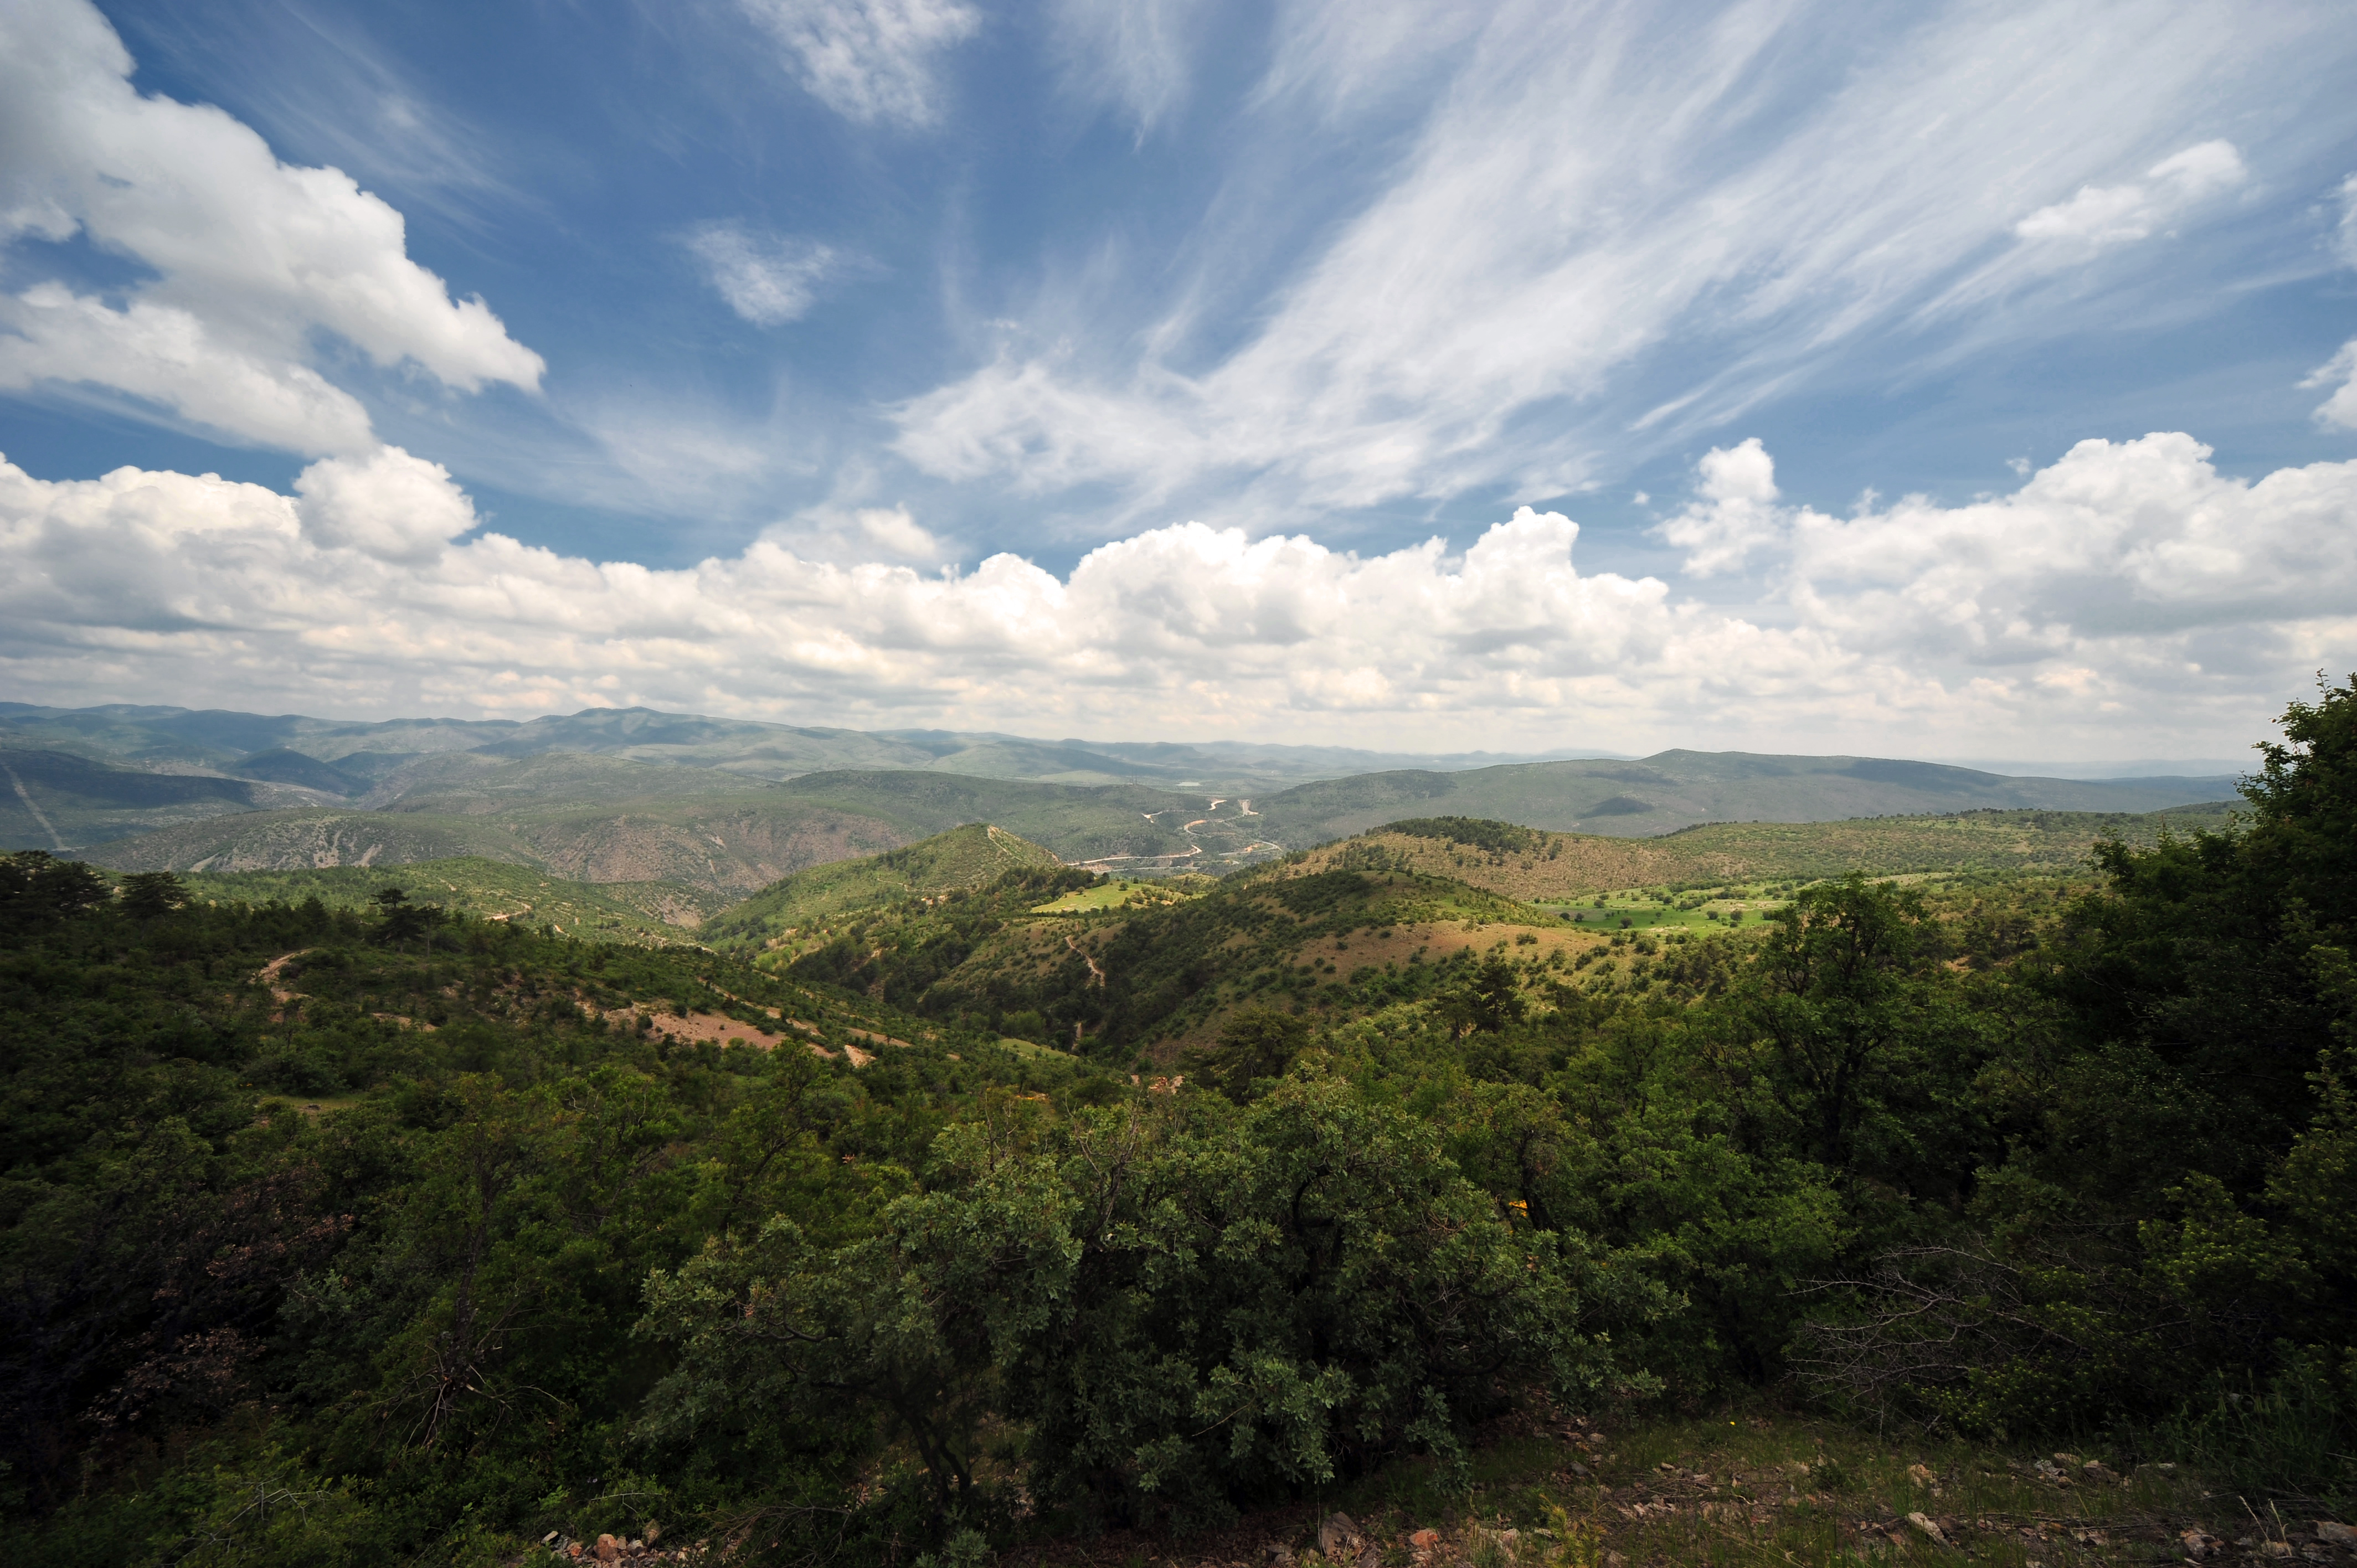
(229, 742)
(1680, 788)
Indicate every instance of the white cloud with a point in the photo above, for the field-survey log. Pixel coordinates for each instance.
(894, 532)
(1133, 53)
(1590, 190)
(164, 355)
(842, 535)
(2129, 594)
(870, 61)
(389, 505)
(2341, 408)
(768, 279)
(2126, 555)
(1735, 514)
(250, 256)
(2099, 216)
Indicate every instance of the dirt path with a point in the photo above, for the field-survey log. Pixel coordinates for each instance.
(1095, 974)
(269, 973)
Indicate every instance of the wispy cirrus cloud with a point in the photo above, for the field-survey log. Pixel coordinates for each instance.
(1133, 54)
(2339, 372)
(1611, 225)
(870, 61)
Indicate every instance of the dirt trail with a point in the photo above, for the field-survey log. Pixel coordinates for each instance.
(711, 1027)
(269, 973)
(1096, 975)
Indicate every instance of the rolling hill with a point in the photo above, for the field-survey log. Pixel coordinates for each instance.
(1354, 925)
(963, 857)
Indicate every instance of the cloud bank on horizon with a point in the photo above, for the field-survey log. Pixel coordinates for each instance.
(1191, 370)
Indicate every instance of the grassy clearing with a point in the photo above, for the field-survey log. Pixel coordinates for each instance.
(1123, 893)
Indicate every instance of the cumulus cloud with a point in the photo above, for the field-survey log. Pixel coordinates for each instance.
(2129, 592)
(848, 535)
(389, 505)
(768, 279)
(868, 60)
(1734, 514)
(2129, 553)
(248, 257)
(2099, 216)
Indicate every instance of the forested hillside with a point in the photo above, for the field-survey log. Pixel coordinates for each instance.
(342, 1236)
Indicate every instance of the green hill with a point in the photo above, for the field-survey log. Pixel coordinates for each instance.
(636, 912)
(963, 857)
(1409, 904)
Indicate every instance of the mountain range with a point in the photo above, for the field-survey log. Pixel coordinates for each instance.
(725, 807)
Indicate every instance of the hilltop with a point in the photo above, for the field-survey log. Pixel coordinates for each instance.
(964, 857)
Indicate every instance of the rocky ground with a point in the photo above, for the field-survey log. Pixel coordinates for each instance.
(1746, 1490)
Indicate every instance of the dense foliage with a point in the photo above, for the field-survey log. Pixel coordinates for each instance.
(328, 1234)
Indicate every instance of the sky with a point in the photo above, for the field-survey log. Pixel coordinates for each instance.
(1946, 379)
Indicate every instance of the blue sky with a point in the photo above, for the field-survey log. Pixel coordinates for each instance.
(796, 290)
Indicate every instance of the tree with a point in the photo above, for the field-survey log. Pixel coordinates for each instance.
(1187, 1307)
(401, 920)
(150, 895)
(36, 889)
(1484, 1001)
(1257, 1043)
(1842, 1033)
